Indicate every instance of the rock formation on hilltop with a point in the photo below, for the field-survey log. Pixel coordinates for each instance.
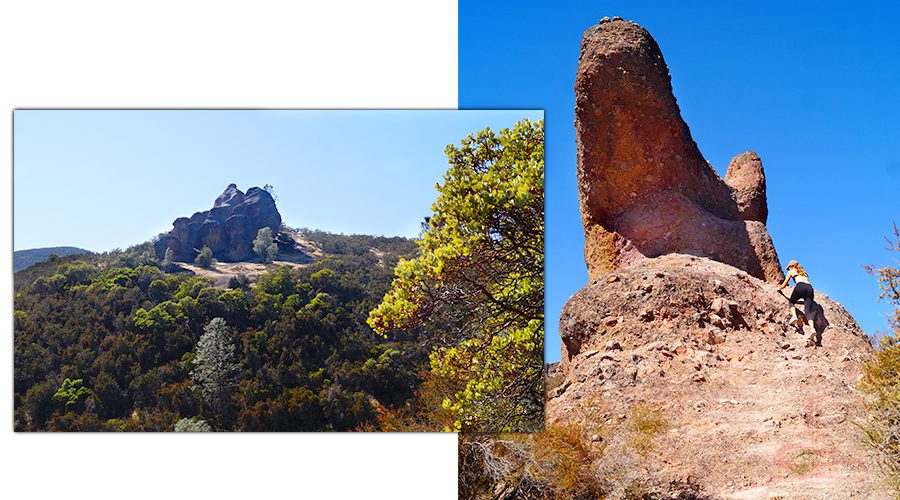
(228, 228)
(645, 189)
(682, 313)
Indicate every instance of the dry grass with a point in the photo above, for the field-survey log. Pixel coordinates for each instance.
(305, 252)
(645, 422)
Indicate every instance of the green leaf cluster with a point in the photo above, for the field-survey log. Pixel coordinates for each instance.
(264, 245)
(478, 284)
(71, 394)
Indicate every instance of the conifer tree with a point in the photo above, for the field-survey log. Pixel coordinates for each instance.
(215, 371)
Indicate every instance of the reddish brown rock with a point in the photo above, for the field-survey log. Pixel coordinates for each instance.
(747, 399)
(682, 315)
(747, 180)
(644, 187)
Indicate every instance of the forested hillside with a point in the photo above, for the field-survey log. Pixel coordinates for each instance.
(113, 343)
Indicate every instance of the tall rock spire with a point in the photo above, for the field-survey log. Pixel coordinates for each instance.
(645, 189)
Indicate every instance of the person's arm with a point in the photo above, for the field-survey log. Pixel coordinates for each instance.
(786, 279)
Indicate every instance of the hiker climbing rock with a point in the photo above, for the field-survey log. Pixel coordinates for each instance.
(802, 290)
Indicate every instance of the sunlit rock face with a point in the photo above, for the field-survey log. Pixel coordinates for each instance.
(645, 189)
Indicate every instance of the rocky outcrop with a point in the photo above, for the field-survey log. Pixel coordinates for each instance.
(644, 187)
(753, 410)
(228, 228)
(682, 319)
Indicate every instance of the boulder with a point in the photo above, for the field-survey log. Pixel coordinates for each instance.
(232, 196)
(644, 187)
(747, 180)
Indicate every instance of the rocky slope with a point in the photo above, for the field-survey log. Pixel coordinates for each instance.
(755, 411)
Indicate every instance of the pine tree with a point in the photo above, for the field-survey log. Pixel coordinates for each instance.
(215, 372)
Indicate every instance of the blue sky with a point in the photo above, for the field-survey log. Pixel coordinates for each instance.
(105, 179)
(812, 87)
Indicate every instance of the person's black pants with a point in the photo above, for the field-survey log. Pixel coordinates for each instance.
(804, 291)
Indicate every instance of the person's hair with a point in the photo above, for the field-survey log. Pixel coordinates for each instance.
(800, 270)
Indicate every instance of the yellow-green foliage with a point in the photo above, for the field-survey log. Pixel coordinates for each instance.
(478, 282)
(882, 380)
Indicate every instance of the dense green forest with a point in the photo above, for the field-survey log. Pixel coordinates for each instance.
(110, 342)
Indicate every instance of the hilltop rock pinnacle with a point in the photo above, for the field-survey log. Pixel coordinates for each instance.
(228, 228)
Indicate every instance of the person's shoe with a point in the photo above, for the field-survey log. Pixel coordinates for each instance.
(793, 321)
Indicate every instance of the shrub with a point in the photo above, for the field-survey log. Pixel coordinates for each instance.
(882, 380)
(645, 422)
(205, 259)
(191, 425)
(554, 464)
(559, 463)
(239, 282)
(881, 433)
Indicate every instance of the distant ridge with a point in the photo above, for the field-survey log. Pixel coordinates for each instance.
(22, 259)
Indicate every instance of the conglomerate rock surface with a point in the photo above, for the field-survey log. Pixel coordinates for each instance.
(644, 187)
